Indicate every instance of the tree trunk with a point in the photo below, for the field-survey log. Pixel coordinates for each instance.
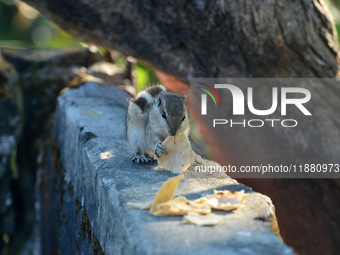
(247, 38)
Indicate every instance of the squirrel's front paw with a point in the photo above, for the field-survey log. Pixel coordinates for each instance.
(159, 148)
(141, 160)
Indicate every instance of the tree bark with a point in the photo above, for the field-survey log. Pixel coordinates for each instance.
(248, 38)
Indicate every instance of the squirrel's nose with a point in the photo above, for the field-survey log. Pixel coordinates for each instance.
(173, 129)
(173, 133)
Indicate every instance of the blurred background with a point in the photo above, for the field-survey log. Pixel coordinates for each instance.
(23, 27)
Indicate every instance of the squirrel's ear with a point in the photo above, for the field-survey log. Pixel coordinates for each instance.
(184, 97)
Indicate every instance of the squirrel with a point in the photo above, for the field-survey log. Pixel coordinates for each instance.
(153, 115)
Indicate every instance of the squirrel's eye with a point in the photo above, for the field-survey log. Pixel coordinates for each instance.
(164, 115)
(183, 117)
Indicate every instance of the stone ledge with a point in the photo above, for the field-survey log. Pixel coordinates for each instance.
(91, 133)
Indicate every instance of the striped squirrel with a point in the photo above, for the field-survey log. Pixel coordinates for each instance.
(153, 115)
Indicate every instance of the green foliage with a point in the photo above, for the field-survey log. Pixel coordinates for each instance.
(13, 165)
(338, 30)
(145, 77)
(23, 27)
(5, 238)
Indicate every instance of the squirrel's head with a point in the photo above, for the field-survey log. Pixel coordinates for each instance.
(173, 112)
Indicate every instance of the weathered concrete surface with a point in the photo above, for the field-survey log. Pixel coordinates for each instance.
(30, 82)
(91, 134)
(29, 87)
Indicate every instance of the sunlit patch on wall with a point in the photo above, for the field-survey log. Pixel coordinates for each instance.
(106, 155)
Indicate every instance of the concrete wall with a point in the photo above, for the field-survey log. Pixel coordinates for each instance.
(95, 178)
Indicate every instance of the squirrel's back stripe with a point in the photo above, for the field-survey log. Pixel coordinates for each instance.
(141, 102)
(155, 90)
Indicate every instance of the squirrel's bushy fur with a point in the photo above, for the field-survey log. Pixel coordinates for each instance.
(153, 115)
